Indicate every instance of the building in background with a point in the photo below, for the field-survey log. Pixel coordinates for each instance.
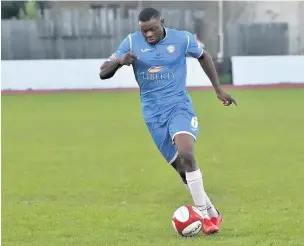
(93, 29)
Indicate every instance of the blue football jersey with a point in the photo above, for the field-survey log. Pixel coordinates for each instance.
(160, 69)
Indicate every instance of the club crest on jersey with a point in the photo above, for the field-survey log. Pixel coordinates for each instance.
(171, 49)
(155, 69)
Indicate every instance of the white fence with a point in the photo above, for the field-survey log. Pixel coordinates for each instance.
(84, 74)
(264, 70)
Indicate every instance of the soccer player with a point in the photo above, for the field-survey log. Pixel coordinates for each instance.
(158, 57)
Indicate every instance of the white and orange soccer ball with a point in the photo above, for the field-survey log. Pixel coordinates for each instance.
(187, 221)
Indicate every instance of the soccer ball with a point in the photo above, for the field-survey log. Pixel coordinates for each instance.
(187, 221)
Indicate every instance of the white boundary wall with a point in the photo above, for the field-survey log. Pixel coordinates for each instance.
(264, 70)
(77, 74)
(83, 74)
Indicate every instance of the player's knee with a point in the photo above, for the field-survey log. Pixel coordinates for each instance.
(187, 161)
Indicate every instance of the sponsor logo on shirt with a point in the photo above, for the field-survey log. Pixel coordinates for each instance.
(155, 74)
(155, 69)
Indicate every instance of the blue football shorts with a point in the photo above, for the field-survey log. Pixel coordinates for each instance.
(163, 129)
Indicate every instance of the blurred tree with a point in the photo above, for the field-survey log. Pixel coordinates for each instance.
(30, 10)
(24, 9)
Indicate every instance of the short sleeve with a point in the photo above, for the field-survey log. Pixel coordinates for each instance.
(124, 48)
(194, 47)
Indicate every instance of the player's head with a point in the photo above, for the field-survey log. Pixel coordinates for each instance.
(151, 25)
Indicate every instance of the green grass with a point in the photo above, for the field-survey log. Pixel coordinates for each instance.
(82, 169)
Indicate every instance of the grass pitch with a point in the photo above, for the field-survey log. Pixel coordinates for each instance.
(82, 169)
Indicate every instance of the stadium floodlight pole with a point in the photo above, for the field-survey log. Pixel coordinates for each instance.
(220, 54)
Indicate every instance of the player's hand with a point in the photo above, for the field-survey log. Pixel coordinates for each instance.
(127, 59)
(226, 98)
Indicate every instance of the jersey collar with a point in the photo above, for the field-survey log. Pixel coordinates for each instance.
(166, 34)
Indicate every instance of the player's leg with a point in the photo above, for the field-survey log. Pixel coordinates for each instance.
(188, 123)
(183, 129)
(213, 213)
(185, 146)
(163, 141)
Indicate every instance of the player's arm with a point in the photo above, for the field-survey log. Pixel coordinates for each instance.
(123, 56)
(109, 68)
(195, 49)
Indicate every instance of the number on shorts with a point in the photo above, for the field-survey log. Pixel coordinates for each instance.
(194, 122)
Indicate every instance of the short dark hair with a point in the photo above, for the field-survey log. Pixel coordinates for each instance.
(148, 14)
